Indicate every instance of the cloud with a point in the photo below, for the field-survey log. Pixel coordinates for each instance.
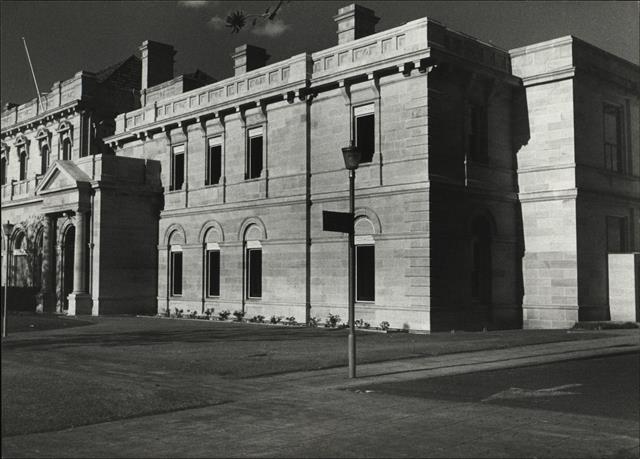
(216, 23)
(271, 28)
(197, 3)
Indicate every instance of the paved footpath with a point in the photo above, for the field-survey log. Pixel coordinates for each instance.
(322, 414)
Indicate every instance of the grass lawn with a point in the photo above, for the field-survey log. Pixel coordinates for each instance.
(31, 322)
(122, 367)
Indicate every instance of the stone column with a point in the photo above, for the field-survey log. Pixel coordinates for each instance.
(79, 300)
(59, 287)
(48, 287)
(79, 254)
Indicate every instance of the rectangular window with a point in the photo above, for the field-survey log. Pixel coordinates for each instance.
(613, 138)
(616, 234)
(214, 162)
(364, 124)
(254, 273)
(176, 273)
(213, 273)
(254, 153)
(477, 130)
(365, 273)
(177, 168)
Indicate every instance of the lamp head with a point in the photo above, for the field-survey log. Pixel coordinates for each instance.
(7, 228)
(351, 156)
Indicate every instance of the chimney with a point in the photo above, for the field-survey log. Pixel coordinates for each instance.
(355, 21)
(248, 57)
(157, 63)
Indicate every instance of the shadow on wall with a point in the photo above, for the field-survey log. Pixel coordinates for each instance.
(21, 298)
(477, 240)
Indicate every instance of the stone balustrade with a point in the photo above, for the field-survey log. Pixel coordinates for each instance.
(60, 94)
(20, 189)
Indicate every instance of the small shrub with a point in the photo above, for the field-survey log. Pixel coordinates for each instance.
(360, 323)
(290, 320)
(239, 315)
(275, 319)
(193, 314)
(332, 321)
(384, 325)
(177, 313)
(257, 319)
(209, 313)
(224, 315)
(313, 322)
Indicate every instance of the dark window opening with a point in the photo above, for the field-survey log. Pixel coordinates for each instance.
(365, 273)
(66, 149)
(365, 137)
(23, 166)
(613, 138)
(44, 159)
(214, 165)
(254, 273)
(213, 273)
(3, 170)
(477, 133)
(616, 234)
(254, 157)
(177, 169)
(176, 273)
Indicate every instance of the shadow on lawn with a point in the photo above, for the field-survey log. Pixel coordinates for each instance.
(113, 333)
(150, 337)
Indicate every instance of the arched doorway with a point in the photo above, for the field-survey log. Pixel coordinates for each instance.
(67, 264)
(481, 270)
(37, 261)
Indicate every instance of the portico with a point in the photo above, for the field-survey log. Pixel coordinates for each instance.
(67, 198)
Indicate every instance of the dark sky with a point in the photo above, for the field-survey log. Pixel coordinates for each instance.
(64, 37)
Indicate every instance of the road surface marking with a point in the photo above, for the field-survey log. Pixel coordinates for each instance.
(515, 393)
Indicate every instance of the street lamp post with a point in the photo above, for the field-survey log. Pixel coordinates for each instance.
(351, 161)
(7, 228)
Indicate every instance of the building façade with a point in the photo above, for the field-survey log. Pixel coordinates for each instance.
(492, 187)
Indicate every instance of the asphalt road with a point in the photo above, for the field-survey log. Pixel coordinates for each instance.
(604, 386)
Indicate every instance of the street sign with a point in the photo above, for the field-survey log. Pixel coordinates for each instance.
(341, 222)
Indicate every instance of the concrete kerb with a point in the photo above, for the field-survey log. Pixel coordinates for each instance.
(460, 363)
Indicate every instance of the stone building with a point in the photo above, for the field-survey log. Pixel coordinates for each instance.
(492, 187)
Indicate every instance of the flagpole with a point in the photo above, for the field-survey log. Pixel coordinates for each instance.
(33, 74)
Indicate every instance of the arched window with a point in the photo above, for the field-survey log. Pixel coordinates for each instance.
(365, 262)
(175, 263)
(481, 277)
(212, 262)
(3, 170)
(253, 262)
(66, 149)
(22, 155)
(44, 159)
(18, 242)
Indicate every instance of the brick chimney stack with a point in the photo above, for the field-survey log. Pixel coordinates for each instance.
(157, 63)
(248, 57)
(355, 21)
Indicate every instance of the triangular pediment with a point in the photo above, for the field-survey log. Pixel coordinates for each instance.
(62, 175)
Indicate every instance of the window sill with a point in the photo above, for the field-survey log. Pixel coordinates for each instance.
(254, 298)
(365, 302)
(168, 191)
(213, 185)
